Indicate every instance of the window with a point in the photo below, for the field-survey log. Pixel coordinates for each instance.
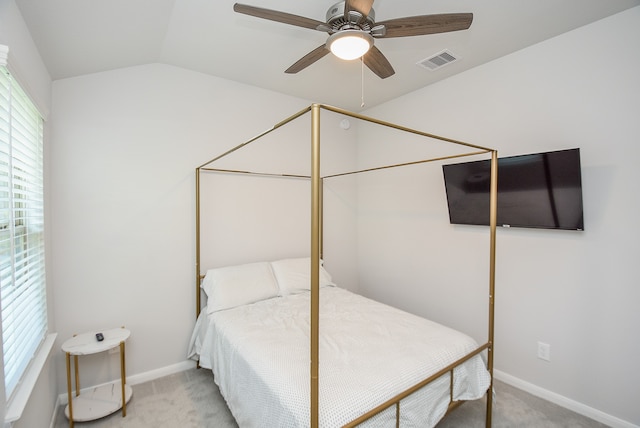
(22, 273)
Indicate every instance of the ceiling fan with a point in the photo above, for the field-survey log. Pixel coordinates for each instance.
(352, 23)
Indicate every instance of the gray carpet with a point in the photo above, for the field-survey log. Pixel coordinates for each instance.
(190, 399)
(187, 399)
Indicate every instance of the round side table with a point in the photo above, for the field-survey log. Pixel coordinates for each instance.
(101, 400)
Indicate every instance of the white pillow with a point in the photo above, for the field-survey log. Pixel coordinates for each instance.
(232, 286)
(294, 275)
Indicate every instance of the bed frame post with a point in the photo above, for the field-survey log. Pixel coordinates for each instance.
(316, 221)
(197, 242)
(493, 214)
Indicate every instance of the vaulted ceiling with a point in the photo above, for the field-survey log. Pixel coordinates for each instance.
(77, 37)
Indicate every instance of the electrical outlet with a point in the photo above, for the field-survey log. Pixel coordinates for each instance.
(544, 351)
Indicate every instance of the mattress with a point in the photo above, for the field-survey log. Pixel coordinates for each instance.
(368, 352)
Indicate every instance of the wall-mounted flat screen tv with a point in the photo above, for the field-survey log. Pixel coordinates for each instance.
(541, 190)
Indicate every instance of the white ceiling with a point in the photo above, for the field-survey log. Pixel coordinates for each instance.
(77, 37)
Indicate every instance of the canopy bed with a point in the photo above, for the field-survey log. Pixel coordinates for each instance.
(290, 348)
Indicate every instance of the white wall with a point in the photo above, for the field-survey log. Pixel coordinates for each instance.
(127, 143)
(27, 67)
(577, 291)
(270, 214)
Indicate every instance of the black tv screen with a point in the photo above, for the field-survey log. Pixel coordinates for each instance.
(541, 190)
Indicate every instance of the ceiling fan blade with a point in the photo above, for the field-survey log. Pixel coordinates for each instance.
(308, 59)
(362, 6)
(426, 24)
(378, 63)
(274, 15)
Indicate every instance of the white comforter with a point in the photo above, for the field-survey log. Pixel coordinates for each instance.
(369, 352)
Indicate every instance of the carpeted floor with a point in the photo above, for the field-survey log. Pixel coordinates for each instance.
(190, 399)
(187, 399)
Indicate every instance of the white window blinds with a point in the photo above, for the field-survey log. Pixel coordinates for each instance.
(22, 274)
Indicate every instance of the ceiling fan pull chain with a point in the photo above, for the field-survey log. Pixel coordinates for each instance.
(361, 82)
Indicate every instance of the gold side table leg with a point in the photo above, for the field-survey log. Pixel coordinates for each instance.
(75, 367)
(69, 388)
(123, 379)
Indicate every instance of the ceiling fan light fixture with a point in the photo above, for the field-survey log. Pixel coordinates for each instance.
(350, 44)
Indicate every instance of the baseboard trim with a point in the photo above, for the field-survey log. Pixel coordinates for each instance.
(563, 401)
(161, 372)
(63, 399)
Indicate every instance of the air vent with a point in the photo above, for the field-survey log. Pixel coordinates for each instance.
(437, 61)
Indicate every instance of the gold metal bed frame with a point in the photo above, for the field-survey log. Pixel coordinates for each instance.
(316, 251)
